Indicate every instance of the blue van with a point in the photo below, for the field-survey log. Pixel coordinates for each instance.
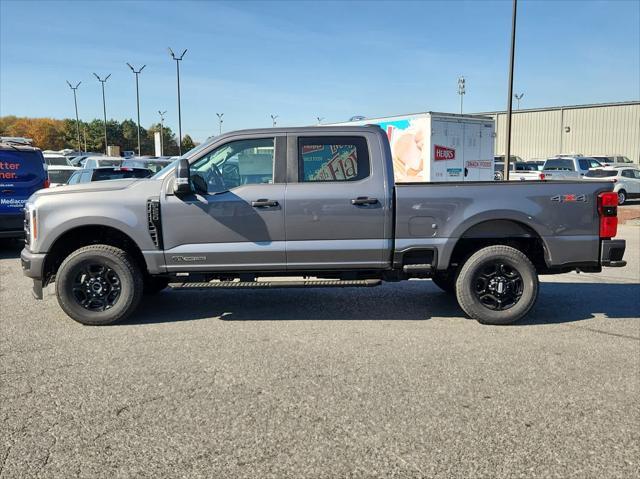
(22, 172)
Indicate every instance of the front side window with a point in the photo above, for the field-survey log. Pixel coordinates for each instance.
(237, 163)
(594, 163)
(584, 164)
(627, 173)
(340, 158)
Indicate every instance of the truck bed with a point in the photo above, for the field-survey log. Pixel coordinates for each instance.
(562, 213)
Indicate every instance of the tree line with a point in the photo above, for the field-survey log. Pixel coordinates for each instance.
(53, 134)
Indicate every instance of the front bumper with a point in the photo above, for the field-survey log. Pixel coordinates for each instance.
(33, 267)
(611, 253)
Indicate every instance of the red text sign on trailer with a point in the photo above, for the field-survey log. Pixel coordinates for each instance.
(444, 153)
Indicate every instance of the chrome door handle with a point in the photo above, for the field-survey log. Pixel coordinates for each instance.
(364, 200)
(264, 203)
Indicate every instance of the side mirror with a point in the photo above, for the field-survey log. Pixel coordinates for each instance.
(182, 186)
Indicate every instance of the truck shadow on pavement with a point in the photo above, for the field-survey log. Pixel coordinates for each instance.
(409, 301)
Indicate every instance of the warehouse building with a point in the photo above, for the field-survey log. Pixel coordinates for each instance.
(599, 129)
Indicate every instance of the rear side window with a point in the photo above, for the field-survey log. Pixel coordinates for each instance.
(556, 164)
(601, 173)
(21, 166)
(584, 164)
(59, 176)
(335, 158)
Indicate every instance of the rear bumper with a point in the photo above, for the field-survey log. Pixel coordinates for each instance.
(32, 267)
(611, 253)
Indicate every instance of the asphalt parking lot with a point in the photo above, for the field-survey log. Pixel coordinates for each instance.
(383, 382)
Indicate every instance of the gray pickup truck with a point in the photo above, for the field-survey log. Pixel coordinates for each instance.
(317, 202)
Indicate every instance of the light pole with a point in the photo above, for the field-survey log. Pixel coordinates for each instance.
(518, 98)
(161, 113)
(510, 98)
(84, 134)
(461, 90)
(319, 118)
(273, 120)
(75, 102)
(104, 109)
(136, 73)
(178, 59)
(219, 115)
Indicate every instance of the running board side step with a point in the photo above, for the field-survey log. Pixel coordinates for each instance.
(279, 284)
(418, 270)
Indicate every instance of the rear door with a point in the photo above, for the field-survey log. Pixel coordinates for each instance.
(337, 209)
(22, 172)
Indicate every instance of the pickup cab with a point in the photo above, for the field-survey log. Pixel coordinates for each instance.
(316, 202)
(568, 167)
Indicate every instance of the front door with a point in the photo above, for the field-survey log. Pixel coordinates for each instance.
(337, 210)
(234, 220)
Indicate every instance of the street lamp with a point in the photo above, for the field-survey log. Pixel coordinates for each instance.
(273, 120)
(75, 102)
(178, 59)
(219, 115)
(104, 109)
(319, 118)
(510, 97)
(136, 73)
(518, 98)
(161, 113)
(461, 90)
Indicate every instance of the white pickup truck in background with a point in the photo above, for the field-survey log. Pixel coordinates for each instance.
(568, 167)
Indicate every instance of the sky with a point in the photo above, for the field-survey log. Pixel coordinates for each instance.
(301, 60)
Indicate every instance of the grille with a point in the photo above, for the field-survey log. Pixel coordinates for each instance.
(154, 223)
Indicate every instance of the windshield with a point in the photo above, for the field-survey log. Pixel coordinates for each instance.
(556, 164)
(601, 173)
(166, 168)
(153, 165)
(60, 176)
(108, 162)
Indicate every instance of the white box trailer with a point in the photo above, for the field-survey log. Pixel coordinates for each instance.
(436, 147)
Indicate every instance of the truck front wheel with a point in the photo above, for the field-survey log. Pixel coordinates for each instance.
(497, 285)
(98, 285)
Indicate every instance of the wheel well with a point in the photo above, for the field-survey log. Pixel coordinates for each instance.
(81, 236)
(504, 232)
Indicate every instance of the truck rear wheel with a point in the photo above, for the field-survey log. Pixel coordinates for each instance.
(497, 285)
(98, 285)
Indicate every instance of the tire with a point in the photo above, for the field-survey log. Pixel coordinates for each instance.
(622, 197)
(445, 281)
(155, 284)
(98, 285)
(494, 294)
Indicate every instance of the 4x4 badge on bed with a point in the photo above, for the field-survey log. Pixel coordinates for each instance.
(569, 198)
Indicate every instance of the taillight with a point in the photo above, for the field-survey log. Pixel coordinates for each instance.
(542, 176)
(46, 183)
(608, 212)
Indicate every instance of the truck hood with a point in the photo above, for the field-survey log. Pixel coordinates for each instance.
(107, 185)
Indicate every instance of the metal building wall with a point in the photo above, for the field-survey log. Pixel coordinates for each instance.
(606, 129)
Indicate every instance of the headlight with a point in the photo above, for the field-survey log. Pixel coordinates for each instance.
(30, 225)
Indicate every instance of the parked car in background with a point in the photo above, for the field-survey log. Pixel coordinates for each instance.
(22, 173)
(77, 159)
(154, 165)
(59, 174)
(107, 173)
(627, 180)
(100, 161)
(568, 167)
(52, 159)
(518, 170)
(613, 160)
